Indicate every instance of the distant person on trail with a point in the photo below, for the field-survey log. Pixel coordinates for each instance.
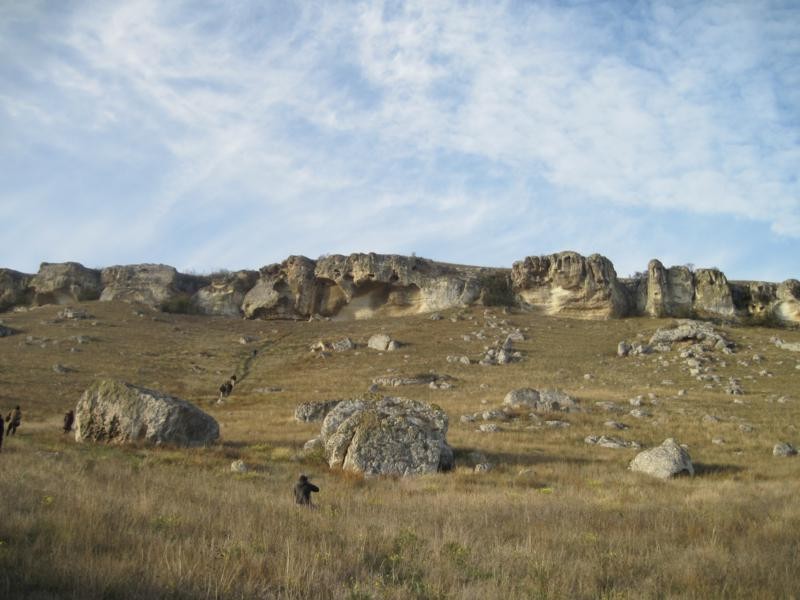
(69, 419)
(302, 491)
(14, 418)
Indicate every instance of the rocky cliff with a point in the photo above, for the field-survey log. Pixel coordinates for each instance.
(360, 286)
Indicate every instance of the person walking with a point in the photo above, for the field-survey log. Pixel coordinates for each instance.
(14, 419)
(69, 419)
(302, 491)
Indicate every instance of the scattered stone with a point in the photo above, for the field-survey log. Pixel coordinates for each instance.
(380, 342)
(605, 441)
(440, 384)
(467, 418)
(309, 412)
(701, 331)
(607, 406)
(734, 387)
(435, 317)
(343, 345)
(639, 413)
(663, 461)
(557, 424)
(393, 346)
(238, 466)
(546, 400)
(73, 313)
(718, 441)
(681, 392)
(710, 419)
(489, 428)
(615, 425)
(746, 428)
(464, 360)
(623, 349)
(421, 379)
(483, 467)
(784, 449)
(7, 331)
(112, 411)
(61, 369)
(247, 339)
(636, 401)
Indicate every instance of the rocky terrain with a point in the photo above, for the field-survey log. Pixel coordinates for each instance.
(362, 286)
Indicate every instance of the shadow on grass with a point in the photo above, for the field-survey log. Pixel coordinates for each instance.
(703, 469)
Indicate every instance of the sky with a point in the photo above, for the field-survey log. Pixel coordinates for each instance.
(210, 135)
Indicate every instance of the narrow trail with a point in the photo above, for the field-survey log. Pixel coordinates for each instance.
(243, 369)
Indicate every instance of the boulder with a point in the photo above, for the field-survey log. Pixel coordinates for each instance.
(567, 283)
(158, 286)
(225, 294)
(64, 283)
(689, 330)
(117, 412)
(380, 342)
(390, 436)
(606, 441)
(6, 331)
(308, 412)
(663, 461)
(784, 449)
(545, 400)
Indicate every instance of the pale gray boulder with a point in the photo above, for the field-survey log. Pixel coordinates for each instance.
(784, 449)
(117, 412)
(379, 342)
(663, 461)
(545, 400)
(390, 436)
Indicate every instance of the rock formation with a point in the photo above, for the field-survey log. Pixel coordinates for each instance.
(663, 461)
(570, 284)
(390, 436)
(154, 285)
(116, 412)
(225, 294)
(360, 286)
(64, 283)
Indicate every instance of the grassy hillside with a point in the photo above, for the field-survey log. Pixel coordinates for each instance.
(555, 518)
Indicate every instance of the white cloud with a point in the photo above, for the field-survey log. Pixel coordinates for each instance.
(419, 122)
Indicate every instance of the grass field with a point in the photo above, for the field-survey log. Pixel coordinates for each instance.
(555, 518)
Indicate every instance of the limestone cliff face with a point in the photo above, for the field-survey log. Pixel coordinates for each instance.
(154, 285)
(63, 283)
(712, 294)
(14, 288)
(670, 292)
(225, 294)
(362, 285)
(567, 283)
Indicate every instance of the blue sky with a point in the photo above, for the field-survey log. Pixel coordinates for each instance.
(213, 135)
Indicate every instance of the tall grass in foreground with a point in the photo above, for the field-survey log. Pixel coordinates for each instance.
(109, 523)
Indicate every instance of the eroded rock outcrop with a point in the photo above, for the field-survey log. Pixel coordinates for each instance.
(64, 283)
(225, 294)
(570, 284)
(390, 436)
(670, 292)
(159, 286)
(14, 288)
(120, 413)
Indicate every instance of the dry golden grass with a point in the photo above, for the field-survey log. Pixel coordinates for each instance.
(555, 518)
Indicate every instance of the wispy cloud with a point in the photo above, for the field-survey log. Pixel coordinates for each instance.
(483, 131)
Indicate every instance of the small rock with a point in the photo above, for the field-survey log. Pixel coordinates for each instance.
(483, 467)
(379, 341)
(681, 392)
(343, 345)
(488, 428)
(238, 466)
(247, 339)
(636, 401)
(718, 441)
(623, 348)
(784, 449)
(709, 419)
(639, 413)
(746, 428)
(557, 424)
(615, 425)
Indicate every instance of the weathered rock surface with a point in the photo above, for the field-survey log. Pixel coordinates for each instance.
(63, 283)
(390, 436)
(225, 294)
(567, 283)
(545, 400)
(784, 449)
(663, 461)
(607, 441)
(364, 285)
(116, 412)
(308, 412)
(14, 288)
(6, 331)
(158, 286)
(379, 342)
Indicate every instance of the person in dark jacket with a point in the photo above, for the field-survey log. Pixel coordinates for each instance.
(302, 491)
(14, 418)
(69, 419)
